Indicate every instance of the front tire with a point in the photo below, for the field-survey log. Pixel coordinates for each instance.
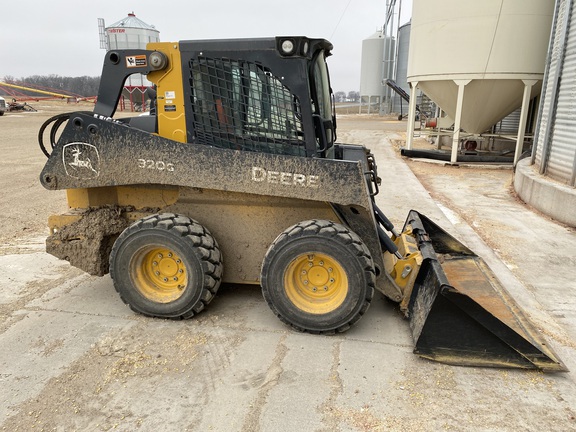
(166, 266)
(318, 276)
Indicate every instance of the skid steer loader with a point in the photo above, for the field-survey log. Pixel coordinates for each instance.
(236, 177)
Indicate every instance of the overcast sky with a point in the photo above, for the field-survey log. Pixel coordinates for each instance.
(60, 37)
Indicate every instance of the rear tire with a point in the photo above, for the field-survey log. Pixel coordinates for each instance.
(166, 266)
(318, 277)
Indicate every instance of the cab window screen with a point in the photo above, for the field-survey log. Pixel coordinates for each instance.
(241, 105)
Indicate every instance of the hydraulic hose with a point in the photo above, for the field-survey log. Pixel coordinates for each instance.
(384, 221)
(387, 243)
(58, 120)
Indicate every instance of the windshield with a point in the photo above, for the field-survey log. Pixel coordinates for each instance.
(323, 102)
(322, 84)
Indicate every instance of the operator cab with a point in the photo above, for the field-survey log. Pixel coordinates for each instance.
(267, 95)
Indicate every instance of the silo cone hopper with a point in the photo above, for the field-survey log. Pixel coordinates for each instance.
(459, 312)
(486, 101)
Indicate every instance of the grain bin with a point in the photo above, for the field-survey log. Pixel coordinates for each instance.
(547, 180)
(130, 33)
(555, 146)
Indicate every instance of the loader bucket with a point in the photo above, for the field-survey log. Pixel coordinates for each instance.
(460, 313)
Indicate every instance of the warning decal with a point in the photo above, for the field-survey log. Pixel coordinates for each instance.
(136, 61)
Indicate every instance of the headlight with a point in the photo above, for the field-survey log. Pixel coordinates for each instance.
(287, 47)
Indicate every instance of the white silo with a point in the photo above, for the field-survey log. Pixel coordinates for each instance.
(479, 61)
(377, 64)
(547, 180)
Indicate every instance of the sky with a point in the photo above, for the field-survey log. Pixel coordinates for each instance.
(61, 36)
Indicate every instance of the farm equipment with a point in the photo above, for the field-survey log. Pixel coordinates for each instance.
(238, 178)
(17, 106)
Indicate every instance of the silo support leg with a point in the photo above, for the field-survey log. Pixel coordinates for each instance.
(438, 135)
(459, 102)
(523, 118)
(411, 115)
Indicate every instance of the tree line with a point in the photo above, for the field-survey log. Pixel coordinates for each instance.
(88, 86)
(77, 86)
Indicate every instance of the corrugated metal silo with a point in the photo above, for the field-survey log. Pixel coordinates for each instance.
(547, 180)
(131, 33)
(555, 146)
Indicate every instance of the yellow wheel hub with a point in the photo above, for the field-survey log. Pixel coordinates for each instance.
(316, 283)
(159, 274)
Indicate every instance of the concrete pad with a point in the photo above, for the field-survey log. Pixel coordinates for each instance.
(40, 347)
(84, 294)
(24, 266)
(74, 357)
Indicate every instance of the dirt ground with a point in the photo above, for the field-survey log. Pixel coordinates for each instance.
(73, 357)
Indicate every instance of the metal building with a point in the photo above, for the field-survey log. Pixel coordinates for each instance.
(547, 180)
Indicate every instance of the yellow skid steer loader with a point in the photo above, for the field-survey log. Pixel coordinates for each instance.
(236, 176)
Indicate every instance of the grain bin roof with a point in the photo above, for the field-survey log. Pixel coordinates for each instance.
(132, 22)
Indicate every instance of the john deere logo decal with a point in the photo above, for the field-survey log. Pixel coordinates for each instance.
(81, 160)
